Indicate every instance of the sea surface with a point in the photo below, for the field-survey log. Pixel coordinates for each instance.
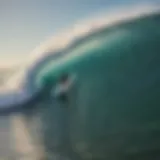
(15, 141)
(52, 119)
(5, 138)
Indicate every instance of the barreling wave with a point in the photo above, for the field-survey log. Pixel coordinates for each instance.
(53, 52)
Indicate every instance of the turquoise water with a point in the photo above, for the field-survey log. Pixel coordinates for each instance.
(113, 107)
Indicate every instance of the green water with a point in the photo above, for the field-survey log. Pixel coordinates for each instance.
(114, 105)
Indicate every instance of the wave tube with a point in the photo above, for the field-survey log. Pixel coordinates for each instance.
(112, 109)
(30, 75)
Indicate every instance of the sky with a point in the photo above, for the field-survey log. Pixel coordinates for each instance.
(25, 24)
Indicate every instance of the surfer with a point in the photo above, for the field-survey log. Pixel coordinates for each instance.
(63, 87)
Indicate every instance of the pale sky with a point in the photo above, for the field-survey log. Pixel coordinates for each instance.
(27, 23)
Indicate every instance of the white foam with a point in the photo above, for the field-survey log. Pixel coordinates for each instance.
(83, 28)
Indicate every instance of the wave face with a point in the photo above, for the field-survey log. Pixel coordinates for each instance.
(115, 99)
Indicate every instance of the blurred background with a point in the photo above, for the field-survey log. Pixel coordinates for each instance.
(26, 25)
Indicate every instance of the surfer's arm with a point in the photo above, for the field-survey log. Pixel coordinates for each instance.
(57, 91)
(71, 82)
(60, 88)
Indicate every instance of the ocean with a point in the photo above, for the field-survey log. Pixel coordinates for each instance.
(6, 151)
(113, 108)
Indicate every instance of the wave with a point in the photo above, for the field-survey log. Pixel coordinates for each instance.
(25, 86)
